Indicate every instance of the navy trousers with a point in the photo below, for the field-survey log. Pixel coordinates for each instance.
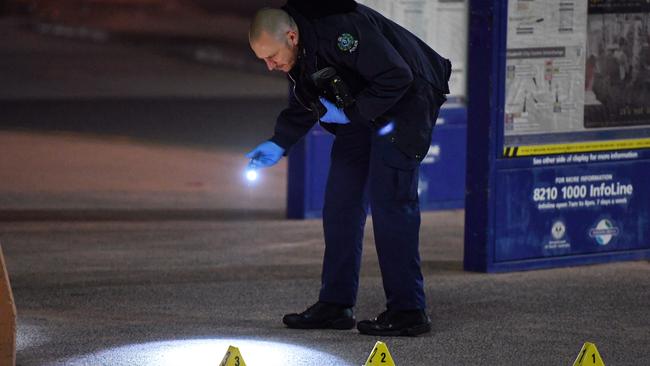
(368, 169)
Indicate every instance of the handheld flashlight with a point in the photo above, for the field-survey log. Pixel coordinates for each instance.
(251, 175)
(251, 171)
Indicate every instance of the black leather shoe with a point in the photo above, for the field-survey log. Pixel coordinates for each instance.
(322, 316)
(397, 323)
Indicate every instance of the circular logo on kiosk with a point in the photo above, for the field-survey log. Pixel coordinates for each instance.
(558, 230)
(604, 232)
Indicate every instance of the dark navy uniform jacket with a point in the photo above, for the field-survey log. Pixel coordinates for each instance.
(393, 75)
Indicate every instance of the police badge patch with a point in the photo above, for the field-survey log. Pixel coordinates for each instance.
(347, 43)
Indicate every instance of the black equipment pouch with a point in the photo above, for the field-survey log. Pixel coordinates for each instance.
(332, 87)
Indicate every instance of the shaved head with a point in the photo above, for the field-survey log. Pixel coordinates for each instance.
(274, 22)
(273, 36)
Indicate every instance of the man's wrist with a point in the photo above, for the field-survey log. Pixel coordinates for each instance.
(282, 143)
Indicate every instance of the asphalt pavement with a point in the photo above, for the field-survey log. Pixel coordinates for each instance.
(153, 292)
(131, 237)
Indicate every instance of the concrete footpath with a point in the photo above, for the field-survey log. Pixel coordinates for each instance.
(130, 292)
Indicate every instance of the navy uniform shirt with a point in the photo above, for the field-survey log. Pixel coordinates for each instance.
(393, 75)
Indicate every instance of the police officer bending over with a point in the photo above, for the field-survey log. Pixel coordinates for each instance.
(378, 89)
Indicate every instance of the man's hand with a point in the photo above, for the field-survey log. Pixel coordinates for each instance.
(265, 155)
(333, 114)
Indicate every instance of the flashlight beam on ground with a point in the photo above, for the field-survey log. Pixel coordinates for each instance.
(199, 352)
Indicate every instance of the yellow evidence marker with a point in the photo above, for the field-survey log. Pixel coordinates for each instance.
(589, 356)
(7, 317)
(232, 358)
(380, 356)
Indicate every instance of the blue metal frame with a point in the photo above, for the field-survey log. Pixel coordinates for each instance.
(307, 170)
(486, 65)
(296, 182)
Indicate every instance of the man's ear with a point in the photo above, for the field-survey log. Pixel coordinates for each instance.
(292, 36)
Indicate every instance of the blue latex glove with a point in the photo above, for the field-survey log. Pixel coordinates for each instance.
(388, 128)
(265, 155)
(333, 114)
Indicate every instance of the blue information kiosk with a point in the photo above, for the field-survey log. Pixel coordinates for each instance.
(558, 133)
(442, 172)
